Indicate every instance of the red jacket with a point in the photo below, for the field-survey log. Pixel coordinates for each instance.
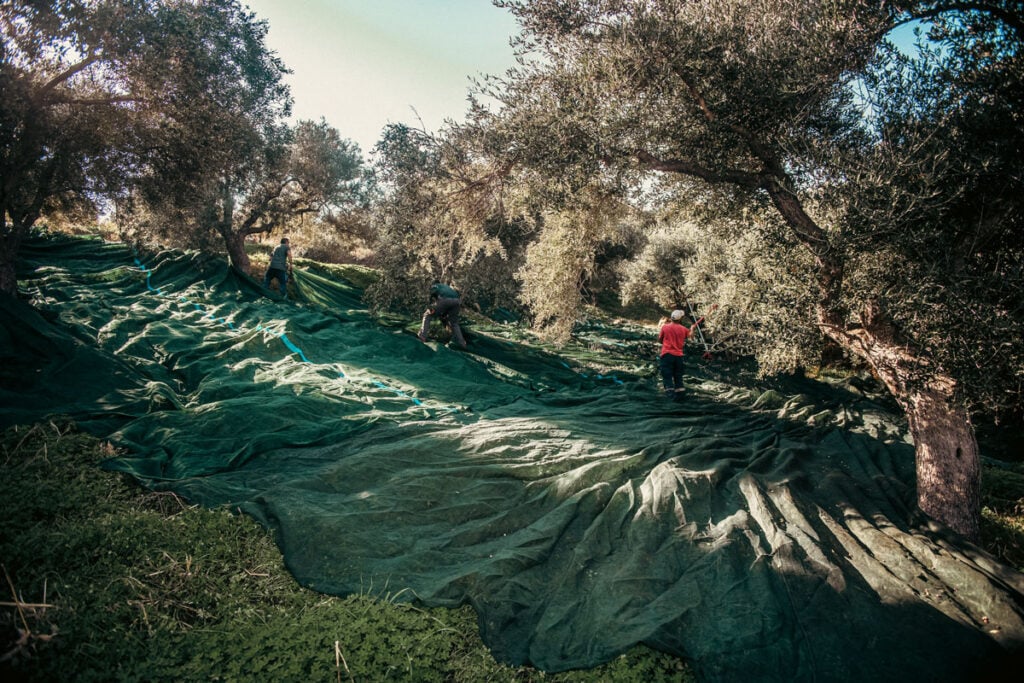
(673, 338)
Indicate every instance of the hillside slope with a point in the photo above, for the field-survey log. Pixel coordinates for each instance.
(759, 532)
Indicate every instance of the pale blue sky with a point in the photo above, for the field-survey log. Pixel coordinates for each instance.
(362, 64)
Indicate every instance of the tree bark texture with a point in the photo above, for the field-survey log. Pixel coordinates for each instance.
(235, 243)
(9, 244)
(947, 459)
(8, 280)
(948, 462)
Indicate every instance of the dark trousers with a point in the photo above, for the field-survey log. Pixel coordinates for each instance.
(448, 311)
(671, 372)
(282, 279)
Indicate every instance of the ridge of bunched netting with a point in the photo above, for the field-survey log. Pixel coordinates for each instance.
(289, 344)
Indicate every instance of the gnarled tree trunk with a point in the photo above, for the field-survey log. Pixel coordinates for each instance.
(947, 459)
(10, 241)
(235, 243)
(8, 279)
(234, 240)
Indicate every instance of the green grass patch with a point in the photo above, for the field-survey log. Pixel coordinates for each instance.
(1002, 512)
(105, 581)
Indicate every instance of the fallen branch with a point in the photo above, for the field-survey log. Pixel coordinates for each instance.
(14, 594)
(26, 605)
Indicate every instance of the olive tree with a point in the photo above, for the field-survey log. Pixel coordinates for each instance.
(905, 208)
(221, 164)
(440, 217)
(750, 269)
(99, 96)
(70, 86)
(255, 180)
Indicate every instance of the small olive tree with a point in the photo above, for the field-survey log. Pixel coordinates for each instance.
(92, 91)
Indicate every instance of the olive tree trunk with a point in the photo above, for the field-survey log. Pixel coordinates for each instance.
(8, 279)
(10, 242)
(947, 460)
(235, 243)
(948, 463)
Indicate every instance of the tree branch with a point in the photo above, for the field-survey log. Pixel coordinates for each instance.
(1011, 19)
(810, 234)
(66, 74)
(785, 201)
(96, 101)
(746, 179)
(918, 13)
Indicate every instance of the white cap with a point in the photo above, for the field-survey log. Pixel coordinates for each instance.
(677, 314)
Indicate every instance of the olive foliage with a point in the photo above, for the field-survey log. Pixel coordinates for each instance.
(893, 168)
(891, 175)
(222, 164)
(272, 179)
(441, 218)
(766, 309)
(79, 89)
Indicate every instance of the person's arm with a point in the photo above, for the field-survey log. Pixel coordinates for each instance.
(693, 327)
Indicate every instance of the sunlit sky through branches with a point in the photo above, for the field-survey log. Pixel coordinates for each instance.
(361, 64)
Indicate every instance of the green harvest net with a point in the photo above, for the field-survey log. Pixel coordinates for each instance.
(762, 533)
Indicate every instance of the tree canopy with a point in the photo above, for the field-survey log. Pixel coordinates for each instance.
(880, 182)
(171, 109)
(260, 180)
(99, 97)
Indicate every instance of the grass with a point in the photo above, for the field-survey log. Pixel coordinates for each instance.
(1002, 513)
(105, 581)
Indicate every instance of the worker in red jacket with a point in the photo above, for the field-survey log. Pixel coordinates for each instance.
(673, 335)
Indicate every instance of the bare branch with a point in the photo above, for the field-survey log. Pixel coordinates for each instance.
(690, 168)
(66, 74)
(95, 101)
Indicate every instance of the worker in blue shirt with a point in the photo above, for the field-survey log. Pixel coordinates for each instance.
(445, 303)
(280, 266)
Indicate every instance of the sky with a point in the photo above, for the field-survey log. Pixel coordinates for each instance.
(362, 64)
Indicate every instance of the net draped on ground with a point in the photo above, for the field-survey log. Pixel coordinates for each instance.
(762, 533)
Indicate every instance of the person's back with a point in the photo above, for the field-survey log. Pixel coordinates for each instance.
(279, 258)
(445, 304)
(443, 291)
(280, 264)
(673, 336)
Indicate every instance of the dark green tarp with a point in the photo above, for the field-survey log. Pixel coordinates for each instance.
(765, 533)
